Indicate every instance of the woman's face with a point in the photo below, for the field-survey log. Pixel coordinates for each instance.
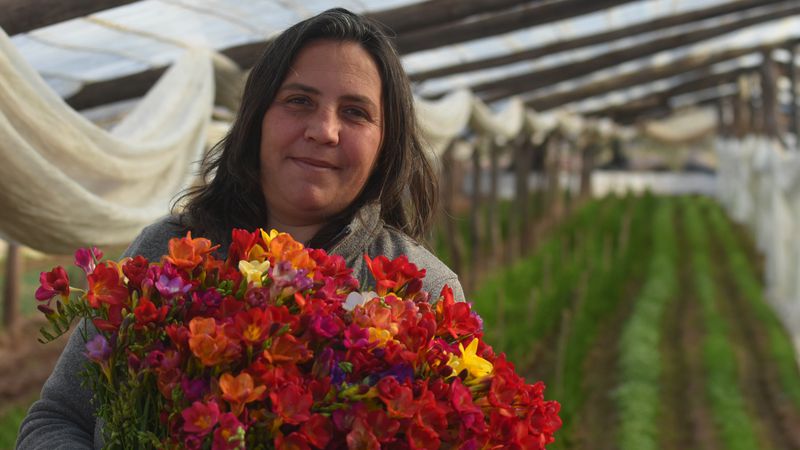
(321, 135)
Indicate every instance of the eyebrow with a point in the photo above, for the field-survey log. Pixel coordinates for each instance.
(312, 90)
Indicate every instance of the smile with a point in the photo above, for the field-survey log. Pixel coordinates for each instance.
(313, 163)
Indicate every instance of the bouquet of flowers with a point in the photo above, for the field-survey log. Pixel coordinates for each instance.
(275, 347)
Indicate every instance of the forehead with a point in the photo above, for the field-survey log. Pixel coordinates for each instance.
(331, 63)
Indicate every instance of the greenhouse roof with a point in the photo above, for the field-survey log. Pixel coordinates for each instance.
(587, 56)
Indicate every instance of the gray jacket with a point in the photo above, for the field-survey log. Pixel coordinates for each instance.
(63, 418)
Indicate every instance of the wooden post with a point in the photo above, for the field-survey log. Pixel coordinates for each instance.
(522, 166)
(741, 118)
(793, 80)
(554, 151)
(769, 95)
(493, 214)
(588, 155)
(11, 288)
(475, 231)
(452, 236)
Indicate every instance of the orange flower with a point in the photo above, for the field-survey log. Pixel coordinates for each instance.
(239, 390)
(187, 253)
(209, 343)
(287, 349)
(284, 248)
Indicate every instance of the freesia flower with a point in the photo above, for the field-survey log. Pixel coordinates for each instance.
(135, 269)
(470, 361)
(187, 253)
(230, 434)
(55, 282)
(209, 343)
(292, 403)
(239, 390)
(253, 271)
(105, 286)
(98, 349)
(170, 287)
(200, 418)
(87, 259)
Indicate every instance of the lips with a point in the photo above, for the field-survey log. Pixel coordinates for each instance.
(313, 163)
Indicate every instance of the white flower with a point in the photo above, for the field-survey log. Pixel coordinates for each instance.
(357, 298)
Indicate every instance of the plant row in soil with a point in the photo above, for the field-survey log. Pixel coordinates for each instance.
(645, 317)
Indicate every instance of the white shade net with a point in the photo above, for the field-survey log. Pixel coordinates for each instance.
(759, 184)
(67, 182)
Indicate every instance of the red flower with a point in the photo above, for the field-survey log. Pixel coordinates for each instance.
(399, 399)
(252, 326)
(105, 286)
(146, 312)
(113, 321)
(317, 430)
(291, 403)
(241, 243)
(294, 441)
(394, 275)
(421, 436)
(136, 270)
(361, 436)
(55, 282)
(456, 319)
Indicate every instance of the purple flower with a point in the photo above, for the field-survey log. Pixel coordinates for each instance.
(170, 287)
(98, 349)
(87, 259)
(193, 389)
(211, 298)
(257, 297)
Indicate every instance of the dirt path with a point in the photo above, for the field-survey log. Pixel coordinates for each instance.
(25, 363)
(688, 423)
(777, 420)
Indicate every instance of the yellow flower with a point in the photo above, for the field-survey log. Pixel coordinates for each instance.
(379, 335)
(469, 360)
(268, 237)
(253, 270)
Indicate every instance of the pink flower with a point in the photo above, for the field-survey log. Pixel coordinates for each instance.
(200, 418)
(87, 259)
(230, 433)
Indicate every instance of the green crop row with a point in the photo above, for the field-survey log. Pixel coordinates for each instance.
(727, 404)
(747, 282)
(637, 395)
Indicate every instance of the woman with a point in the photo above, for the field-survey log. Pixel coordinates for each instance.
(324, 147)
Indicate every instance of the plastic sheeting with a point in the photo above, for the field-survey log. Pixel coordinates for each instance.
(759, 184)
(66, 182)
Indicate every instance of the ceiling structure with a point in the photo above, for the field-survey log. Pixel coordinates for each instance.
(623, 59)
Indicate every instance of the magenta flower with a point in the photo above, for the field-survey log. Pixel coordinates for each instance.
(55, 282)
(200, 418)
(87, 259)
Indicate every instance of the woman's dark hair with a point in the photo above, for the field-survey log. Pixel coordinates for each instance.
(402, 181)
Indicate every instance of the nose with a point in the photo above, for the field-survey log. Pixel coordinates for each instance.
(323, 127)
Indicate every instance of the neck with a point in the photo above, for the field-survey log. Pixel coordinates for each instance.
(301, 233)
